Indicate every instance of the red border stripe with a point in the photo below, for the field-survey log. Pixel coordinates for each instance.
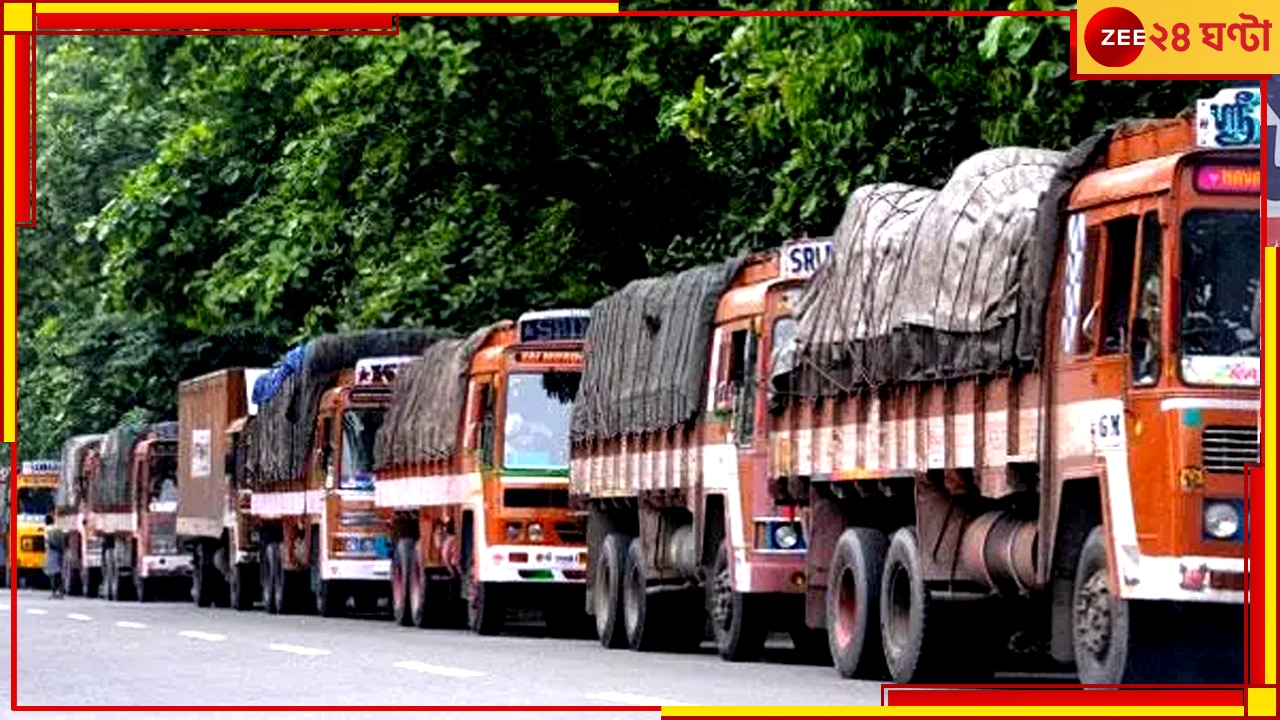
(210, 21)
(912, 697)
(23, 117)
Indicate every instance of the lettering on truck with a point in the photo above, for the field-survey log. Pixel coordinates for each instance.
(802, 258)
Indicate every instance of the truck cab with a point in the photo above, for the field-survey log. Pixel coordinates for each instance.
(154, 471)
(36, 485)
(351, 552)
(1155, 375)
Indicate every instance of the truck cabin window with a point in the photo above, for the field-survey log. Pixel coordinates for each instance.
(1219, 288)
(35, 501)
(1145, 349)
(536, 436)
(1122, 236)
(163, 494)
(359, 428)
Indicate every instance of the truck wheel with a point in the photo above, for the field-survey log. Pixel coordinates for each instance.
(400, 565)
(654, 621)
(853, 603)
(738, 619)
(219, 582)
(607, 591)
(330, 600)
(241, 592)
(276, 573)
(1106, 645)
(424, 592)
(143, 589)
(908, 627)
(200, 588)
(486, 611)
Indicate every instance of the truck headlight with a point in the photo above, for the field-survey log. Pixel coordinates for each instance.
(786, 537)
(535, 532)
(1221, 520)
(513, 531)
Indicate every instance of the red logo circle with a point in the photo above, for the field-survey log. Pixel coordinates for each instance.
(1114, 37)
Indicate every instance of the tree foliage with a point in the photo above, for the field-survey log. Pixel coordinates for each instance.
(207, 201)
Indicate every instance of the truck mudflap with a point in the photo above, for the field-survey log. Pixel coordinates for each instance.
(769, 571)
(166, 565)
(356, 570)
(1183, 579)
(533, 563)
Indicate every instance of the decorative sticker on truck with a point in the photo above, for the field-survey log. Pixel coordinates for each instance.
(200, 453)
(1224, 371)
(1073, 282)
(802, 258)
(1230, 119)
(1108, 431)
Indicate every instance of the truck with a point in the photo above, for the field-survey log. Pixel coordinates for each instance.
(35, 487)
(307, 459)
(669, 456)
(132, 516)
(1025, 402)
(81, 562)
(213, 520)
(1021, 403)
(473, 464)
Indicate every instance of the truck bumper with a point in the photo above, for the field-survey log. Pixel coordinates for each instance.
(1184, 579)
(356, 570)
(534, 564)
(166, 566)
(779, 571)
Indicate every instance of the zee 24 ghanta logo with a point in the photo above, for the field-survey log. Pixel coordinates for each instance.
(1115, 37)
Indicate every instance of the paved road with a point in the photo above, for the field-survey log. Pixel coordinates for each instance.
(76, 651)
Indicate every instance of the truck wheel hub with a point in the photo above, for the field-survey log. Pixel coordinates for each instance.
(722, 607)
(1093, 616)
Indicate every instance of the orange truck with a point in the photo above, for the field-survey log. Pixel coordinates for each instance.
(132, 519)
(213, 520)
(307, 457)
(473, 465)
(81, 562)
(1026, 401)
(670, 442)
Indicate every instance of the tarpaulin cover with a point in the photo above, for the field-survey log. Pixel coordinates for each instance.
(934, 284)
(74, 451)
(270, 383)
(279, 441)
(646, 353)
(113, 490)
(428, 398)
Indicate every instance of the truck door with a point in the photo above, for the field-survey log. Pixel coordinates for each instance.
(1098, 360)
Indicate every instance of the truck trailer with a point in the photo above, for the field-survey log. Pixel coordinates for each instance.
(473, 471)
(133, 512)
(1026, 402)
(213, 518)
(308, 459)
(81, 562)
(669, 457)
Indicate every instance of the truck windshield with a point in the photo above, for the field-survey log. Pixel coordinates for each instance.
(359, 428)
(163, 496)
(1219, 296)
(35, 501)
(537, 425)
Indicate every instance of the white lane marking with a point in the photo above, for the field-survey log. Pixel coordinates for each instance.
(130, 624)
(37, 611)
(197, 635)
(297, 649)
(436, 669)
(78, 616)
(4, 607)
(629, 699)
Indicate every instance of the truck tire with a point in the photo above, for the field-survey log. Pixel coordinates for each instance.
(738, 619)
(221, 582)
(143, 589)
(330, 600)
(241, 587)
(428, 595)
(1103, 633)
(657, 621)
(400, 566)
(266, 577)
(276, 577)
(486, 609)
(607, 591)
(853, 603)
(201, 588)
(907, 624)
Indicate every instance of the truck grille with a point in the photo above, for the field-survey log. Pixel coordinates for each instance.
(1226, 449)
(164, 534)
